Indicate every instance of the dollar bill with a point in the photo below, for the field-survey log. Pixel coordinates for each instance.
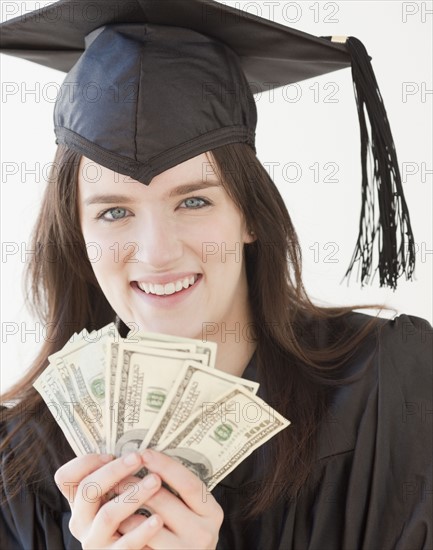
(207, 348)
(110, 383)
(144, 376)
(81, 367)
(194, 386)
(59, 404)
(110, 377)
(221, 435)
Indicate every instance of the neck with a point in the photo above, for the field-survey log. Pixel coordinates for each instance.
(237, 345)
(235, 335)
(234, 355)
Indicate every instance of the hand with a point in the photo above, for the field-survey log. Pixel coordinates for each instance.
(88, 482)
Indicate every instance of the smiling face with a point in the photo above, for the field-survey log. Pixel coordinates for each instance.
(168, 256)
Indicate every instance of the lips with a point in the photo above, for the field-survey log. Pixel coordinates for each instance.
(167, 289)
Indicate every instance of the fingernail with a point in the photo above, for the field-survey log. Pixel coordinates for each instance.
(105, 458)
(150, 482)
(132, 459)
(147, 455)
(152, 521)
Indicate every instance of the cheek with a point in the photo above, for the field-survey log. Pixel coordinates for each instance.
(107, 255)
(223, 251)
(105, 239)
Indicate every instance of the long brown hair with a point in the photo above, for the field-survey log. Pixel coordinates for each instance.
(292, 366)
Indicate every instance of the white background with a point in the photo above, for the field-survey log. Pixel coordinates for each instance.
(297, 125)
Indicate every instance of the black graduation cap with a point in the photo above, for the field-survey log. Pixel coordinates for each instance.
(152, 83)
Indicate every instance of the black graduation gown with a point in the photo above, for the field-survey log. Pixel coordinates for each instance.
(372, 485)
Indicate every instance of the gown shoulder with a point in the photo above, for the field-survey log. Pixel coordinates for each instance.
(371, 485)
(34, 514)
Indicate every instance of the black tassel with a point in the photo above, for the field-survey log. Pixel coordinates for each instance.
(381, 175)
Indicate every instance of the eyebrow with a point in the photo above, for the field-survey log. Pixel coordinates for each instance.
(192, 187)
(180, 190)
(107, 199)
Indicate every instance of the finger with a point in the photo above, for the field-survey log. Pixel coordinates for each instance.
(172, 510)
(131, 523)
(123, 485)
(92, 490)
(117, 510)
(164, 539)
(140, 536)
(68, 476)
(189, 486)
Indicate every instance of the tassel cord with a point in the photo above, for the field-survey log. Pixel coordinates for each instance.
(384, 178)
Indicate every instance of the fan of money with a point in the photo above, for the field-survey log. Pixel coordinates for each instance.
(114, 395)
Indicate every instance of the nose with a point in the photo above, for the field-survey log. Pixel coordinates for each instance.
(158, 244)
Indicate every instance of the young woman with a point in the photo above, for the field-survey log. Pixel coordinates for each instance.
(352, 470)
(348, 457)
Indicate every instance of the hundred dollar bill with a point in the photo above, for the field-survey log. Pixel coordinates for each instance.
(110, 380)
(81, 367)
(144, 376)
(59, 404)
(169, 346)
(110, 384)
(221, 435)
(194, 386)
(207, 348)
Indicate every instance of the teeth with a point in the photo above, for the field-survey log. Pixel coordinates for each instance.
(169, 288)
(145, 287)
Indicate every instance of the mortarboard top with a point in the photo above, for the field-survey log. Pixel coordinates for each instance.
(152, 83)
(54, 36)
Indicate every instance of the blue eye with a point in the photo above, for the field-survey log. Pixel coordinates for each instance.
(195, 202)
(117, 213)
